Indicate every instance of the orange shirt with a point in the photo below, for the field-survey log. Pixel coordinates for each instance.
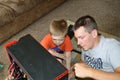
(47, 43)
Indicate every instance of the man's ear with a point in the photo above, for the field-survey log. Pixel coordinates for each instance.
(94, 33)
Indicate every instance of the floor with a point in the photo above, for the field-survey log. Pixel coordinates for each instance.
(106, 13)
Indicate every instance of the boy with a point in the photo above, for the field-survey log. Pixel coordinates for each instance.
(58, 43)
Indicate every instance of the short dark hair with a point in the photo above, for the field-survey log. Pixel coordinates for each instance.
(87, 22)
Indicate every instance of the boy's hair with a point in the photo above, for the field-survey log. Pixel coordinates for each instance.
(87, 22)
(58, 27)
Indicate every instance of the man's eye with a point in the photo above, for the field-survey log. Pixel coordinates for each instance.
(82, 37)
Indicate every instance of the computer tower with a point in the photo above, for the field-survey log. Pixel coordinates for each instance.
(30, 61)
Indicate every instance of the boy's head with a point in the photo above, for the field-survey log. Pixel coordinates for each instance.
(58, 30)
(58, 27)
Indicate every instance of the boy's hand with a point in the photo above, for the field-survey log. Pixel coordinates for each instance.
(71, 75)
(53, 52)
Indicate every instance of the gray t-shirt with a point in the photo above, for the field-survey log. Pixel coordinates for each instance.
(106, 56)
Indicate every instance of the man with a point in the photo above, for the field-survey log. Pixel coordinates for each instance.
(100, 55)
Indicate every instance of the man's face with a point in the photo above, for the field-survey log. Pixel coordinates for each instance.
(84, 39)
(58, 40)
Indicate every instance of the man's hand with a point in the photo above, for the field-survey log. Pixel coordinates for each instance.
(82, 70)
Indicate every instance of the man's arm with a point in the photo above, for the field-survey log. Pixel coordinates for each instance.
(102, 75)
(82, 71)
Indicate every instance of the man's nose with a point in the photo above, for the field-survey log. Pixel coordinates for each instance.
(79, 42)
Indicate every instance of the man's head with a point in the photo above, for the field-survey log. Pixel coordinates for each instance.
(86, 32)
(58, 30)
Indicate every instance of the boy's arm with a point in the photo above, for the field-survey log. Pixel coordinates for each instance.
(68, 60)
(54, 53)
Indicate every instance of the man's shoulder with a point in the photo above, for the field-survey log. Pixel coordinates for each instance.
(111, 42)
